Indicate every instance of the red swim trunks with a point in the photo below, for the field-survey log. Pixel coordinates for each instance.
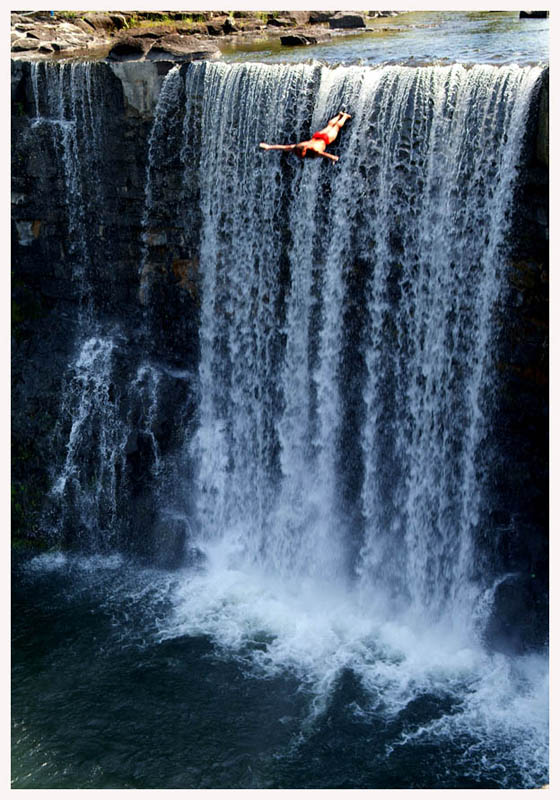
(323, 136)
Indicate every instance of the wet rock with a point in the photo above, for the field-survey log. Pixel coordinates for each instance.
(533, 14)
(129, 47)
(304, 37)
(169, 537)
(347, 20)
(141, 83)
(296, 40)
(182, 48)
(28, 231)
(542, 125)
(519, 620)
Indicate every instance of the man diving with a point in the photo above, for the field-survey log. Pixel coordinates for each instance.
(317, 145)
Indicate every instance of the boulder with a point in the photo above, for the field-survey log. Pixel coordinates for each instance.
(347, 20)
(533, 14)
(182, 48)
(252, 25)
(295, 39)
(190, 30)
(100, 22)
(215, 28)
(83, 26)
(230, 27)
(129, 47)
(306, 36)
(153, 35)
(44, 34)
(298, 17)
(316, 17)
(279, 22)
(23, 45)
(118, 20)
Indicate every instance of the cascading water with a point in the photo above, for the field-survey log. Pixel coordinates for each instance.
(419, 206)
(66, 99)
(347, 383)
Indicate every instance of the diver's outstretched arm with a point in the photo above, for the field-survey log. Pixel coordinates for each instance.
(276, 146)
(328, 155)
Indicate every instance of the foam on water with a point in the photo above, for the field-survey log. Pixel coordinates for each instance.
(494, 706)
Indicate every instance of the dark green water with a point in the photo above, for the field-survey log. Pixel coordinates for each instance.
(102, 700)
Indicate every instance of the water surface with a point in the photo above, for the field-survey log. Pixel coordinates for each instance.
(466, 37)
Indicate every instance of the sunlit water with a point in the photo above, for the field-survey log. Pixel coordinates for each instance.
(468, 37)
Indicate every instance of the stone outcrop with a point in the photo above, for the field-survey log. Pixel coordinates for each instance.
(304, 36)
(37, 34)
(182, 48)
(130, 47)
(347, 20)
(166, 47)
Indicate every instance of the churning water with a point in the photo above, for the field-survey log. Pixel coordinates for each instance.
(345, 396)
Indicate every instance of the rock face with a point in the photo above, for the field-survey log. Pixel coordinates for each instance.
(50, 277)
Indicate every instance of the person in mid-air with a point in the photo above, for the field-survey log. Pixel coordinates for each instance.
(317, 145)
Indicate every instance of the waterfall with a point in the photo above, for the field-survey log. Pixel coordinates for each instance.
(348, 319)
(278, 435)
(67, 99)
(160, 152)
(86, 491)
